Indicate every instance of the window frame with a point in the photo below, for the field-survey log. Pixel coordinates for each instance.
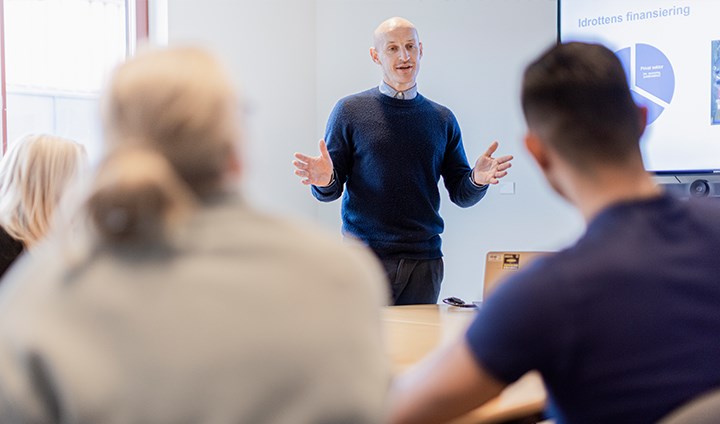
(137, 30)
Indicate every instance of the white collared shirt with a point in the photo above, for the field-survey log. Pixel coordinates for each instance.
(408, 94)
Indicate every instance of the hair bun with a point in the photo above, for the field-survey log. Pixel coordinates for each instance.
(136, 196)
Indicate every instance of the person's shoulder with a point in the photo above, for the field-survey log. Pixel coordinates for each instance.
(705, 206)
(348, 108)
(290, 240)
(3, 234)
(319, 244)
(693, 214)
(8, 244)
(438, 108)
(30, 286)
(549, 279)
(360, 98)
(333, 262)
(432, 103)
(703, 213)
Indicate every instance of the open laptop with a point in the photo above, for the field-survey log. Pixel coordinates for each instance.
(500, 265)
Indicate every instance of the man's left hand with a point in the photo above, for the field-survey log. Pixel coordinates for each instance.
(489, 170)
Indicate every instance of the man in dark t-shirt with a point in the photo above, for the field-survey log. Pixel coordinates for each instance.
(624, 325)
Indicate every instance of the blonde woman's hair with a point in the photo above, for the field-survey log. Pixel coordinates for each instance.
(171, 128)
(34, 174)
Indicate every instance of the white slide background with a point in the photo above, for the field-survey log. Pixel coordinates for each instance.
(682, 138)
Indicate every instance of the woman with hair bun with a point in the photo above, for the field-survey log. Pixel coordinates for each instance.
(186, 305)
(34, 174)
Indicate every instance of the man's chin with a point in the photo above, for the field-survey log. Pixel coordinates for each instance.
(405, 80)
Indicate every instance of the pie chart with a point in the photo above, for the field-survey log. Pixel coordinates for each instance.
(650, 76)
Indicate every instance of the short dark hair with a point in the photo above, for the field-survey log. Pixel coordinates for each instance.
(577, 95)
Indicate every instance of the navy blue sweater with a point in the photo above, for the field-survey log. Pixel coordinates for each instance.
(390, 155)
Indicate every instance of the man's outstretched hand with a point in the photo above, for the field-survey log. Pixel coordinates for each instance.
(489, 170)
(315, 170)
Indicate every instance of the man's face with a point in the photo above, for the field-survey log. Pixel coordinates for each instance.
(398, 52)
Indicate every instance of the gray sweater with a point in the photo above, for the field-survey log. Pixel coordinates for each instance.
(243, 318)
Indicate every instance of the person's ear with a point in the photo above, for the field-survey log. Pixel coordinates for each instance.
(549, 166)
(234, 165)
(374, 55)
(421, 50)
(537, 150)
(643, 117)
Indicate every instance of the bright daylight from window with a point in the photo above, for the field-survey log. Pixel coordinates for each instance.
(58, 54)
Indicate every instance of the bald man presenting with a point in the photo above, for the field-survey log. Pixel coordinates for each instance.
(389, 146)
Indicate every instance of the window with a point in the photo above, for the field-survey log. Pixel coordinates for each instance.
(57, 56)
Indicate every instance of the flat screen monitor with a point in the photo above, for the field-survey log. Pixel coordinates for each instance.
(671, 54)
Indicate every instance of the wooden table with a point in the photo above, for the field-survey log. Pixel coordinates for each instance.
(413, 331)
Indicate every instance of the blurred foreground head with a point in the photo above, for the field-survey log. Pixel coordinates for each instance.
(172, 132)
(576, 99)
(180, 103)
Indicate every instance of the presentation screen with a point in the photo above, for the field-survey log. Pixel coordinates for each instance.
(671, 54)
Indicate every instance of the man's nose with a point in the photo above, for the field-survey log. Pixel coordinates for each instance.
(404, 54)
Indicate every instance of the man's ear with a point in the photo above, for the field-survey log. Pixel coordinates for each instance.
(537, 150)
(234, 165)
(642, 116)
(374, 55)
(421, 49)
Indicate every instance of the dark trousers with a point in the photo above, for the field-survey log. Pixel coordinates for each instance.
(414, 281)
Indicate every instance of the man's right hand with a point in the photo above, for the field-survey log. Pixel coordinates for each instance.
(315, 170)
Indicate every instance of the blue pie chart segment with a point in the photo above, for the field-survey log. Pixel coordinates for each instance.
(625, 56)
(654, 73)
(654, 76)
(654, 109)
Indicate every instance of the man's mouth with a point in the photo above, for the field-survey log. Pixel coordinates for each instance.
(404, 67)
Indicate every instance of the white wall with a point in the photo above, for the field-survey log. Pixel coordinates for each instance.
(269, 46)
(297, 57)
